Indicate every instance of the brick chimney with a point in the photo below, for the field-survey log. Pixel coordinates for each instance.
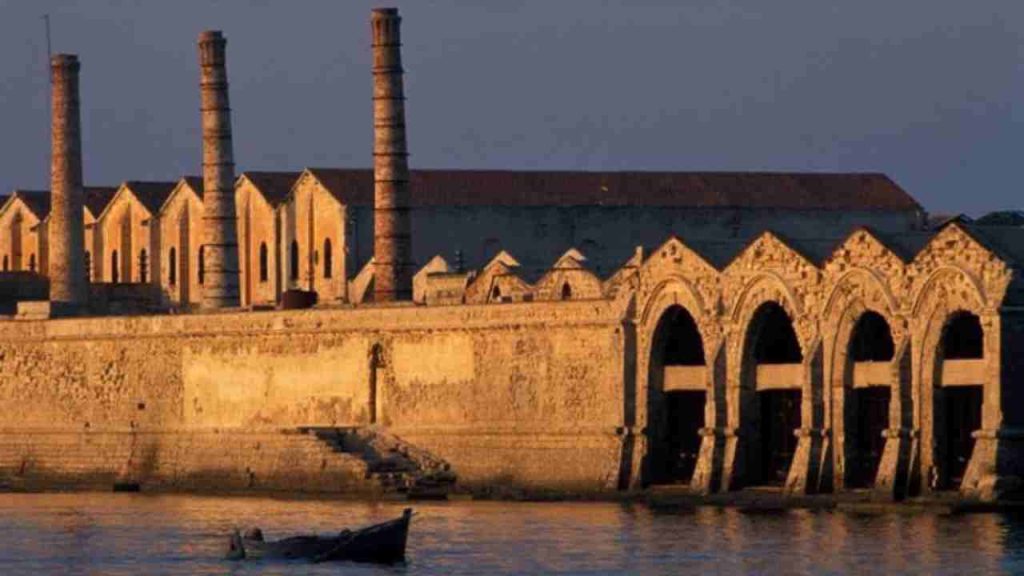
(219, 233)
(69, 288)
(392, 244)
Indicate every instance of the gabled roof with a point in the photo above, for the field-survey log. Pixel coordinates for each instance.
(274, 186)
(152, 195)
(97, 198)
(1002, 218)
(798, 191)
(37, 201)
(193, 183)
(1005, 241)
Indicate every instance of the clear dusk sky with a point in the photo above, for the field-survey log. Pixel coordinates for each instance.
(927, 91)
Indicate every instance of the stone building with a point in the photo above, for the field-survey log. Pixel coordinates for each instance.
(258, 197)
(178, 221)
(23, 239)
(96, 201)
(585, 331)
(128, 233)
(313, 221)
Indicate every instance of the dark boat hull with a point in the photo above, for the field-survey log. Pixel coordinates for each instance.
(382, 543)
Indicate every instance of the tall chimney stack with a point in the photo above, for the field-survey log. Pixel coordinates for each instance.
(219, 235)
(392, 248)
(68, 282)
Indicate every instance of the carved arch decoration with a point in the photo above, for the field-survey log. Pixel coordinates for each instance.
(856, 292)
(946, 292)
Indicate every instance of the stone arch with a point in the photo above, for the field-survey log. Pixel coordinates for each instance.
(377, 376)
(794, 385)
(868, 392)
(949, 293)
(677, 297)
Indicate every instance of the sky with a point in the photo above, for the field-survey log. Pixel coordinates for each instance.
(929, 92)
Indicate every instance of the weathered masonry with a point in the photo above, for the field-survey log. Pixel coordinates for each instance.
(881, 363)
(577, 331)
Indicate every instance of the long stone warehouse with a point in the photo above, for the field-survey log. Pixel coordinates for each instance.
(584, 332)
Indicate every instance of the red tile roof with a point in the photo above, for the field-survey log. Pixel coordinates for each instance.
(669, 189)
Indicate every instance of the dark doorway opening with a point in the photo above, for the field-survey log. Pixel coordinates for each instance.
(871, 406)
(962, 418)
(867, 409)
(675, 417)
(773, 341)
(679, 445)
(957, 409)
(780, 418)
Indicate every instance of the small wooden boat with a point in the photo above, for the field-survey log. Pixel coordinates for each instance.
(382, 543)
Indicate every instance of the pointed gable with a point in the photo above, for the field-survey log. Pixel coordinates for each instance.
(862, 248)
(191, 186)
(150, 194)
(770, 252)
(568, 278)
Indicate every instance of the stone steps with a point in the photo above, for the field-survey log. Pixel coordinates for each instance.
(191, 461)
(395, 466)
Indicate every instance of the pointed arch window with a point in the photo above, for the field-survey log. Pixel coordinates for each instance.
(264, 266)
(115, 269)
(172, 266)
(32, 262)
(566, 291)
(328, 258)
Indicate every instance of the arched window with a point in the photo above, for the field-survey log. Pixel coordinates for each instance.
(172, 266)
(115, 270)
(294, 260)
(264, 267)
(566, 291)
(143, 266)
(328, 258)
(88, 266)
(7, 263)
(496, 294)
(202, 264)
(32, 262)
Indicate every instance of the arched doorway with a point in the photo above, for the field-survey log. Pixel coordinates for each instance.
(868, 377)
(376, 367)
(676, 397)
(957, 398)
(775, 363)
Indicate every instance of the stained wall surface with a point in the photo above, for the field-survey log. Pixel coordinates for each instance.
(494, 389)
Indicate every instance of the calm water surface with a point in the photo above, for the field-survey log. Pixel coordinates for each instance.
(139, 534)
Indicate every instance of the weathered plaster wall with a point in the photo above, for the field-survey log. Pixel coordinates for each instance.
(312, 217)
(521, 394)
(179, 230)
(257, 227)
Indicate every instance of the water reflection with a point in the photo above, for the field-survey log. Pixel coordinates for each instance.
(138, 534)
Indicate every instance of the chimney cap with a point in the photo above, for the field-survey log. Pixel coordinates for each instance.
(385, 12)
(64, 59)
(210, 35)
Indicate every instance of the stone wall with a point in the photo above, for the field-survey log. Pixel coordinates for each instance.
(525, 394)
